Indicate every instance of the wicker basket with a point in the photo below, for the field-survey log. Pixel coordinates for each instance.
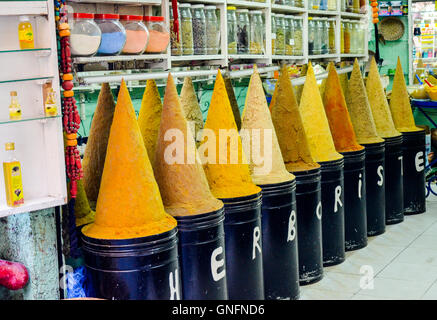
(391, 28)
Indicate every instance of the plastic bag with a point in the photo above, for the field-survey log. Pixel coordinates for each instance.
(79, 283)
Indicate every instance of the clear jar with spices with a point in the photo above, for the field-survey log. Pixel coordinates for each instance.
(362, 36)
(356, 6)
(331, 32)
(332, 5)
(324, 28)
(313, 4)
(232, 29)
(187, 29)
(343, 5)
(347, 36)
(279, 1)
(176, 42)
(113, 34)
(273, 32)
(199, 29)
(289, 35)
(311, 35)
(212, 30)
(159, 36)
(243, 27)
(256, 36)
(298, 42)
(137, 35)
(349, 6)
(342, 27)
(280, 35)
(323, 4)
(85, 35)
(318, 24)
(299, 3)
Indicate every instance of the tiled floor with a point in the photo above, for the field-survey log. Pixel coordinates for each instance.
(399, 264)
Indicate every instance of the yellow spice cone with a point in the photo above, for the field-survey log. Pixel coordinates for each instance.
(256, 116)
(359, 109)
(233, 102)
(378, 104)
(184, 187)
(129, 204)
(400, 103)
(338, 117)
(190, 107)
(298, 89)
(82, 210)
(232, 178)
(95, 151)
(150, 118)
(289, 128)
(315, 122)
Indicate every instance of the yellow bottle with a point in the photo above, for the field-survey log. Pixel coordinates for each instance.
(12, 175)
(25, 33)
(14, 107)
(50, 107)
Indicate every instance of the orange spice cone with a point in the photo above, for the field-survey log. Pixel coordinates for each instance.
(315, 121)
(129, 204)
(150, 117)
(359, 109)
(183, 184)
(256, 116)
(289, 128)
(226, 169)
(190, 107)
(338, 116)
(378, 104)
(95, 151)
(400, 103)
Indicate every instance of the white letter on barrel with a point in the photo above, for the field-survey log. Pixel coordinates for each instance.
(419, 161)
(319, 211)
(379, 171)
(216, 264)
(174, 285)
(337, 198)
(256, 238)
(291, 226)
(402, 166)
(360, 185)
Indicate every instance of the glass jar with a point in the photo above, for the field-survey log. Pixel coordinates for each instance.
(187, 29)
(113, 34)
(313, 4)
(298, 42)
(362, 36)
(331, 32)
(323, 5)
(347, 36)
(343, 4)
(176, 43)
(356, 6)
(232, 30)
(137, 35)
(256, 36)
(318, 36)
(212, 30)
(289, 35)
(199, 29)
(332, 5)
(273, 32)
(85, 35)
(280, 35)
(342, 27)
(279, 2)
(290, 3)
(243, 28)
(298, 3)
(159, 36)
(311, 35)
(324, 27)
(349, 5)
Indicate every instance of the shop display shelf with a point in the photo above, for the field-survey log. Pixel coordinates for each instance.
(41, 119)
(23, 7)
(247, 56)
(248, 4)
(39, 52)
(40, 80)
(204, 1)
(127, 2)
(353, 15)
(284, 57)
(323, 12)
(197, 57)
(32, 205)
(285, 8)
(82, 60)
(352, 55)
(323, 56)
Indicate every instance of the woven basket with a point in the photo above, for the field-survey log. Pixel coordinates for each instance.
(391, 28)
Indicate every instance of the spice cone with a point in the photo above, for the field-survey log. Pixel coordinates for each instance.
(400, 103)
(359, 109)
(378, 104)
(233, 101)
(129, 203)
(315, 121)
(226, 169)
(150, 117)
(323, 85)
(256, 118)
(338, 117)
(184, 187)
(289, 128)
(191, 107)
(95, 151)
(82, 209)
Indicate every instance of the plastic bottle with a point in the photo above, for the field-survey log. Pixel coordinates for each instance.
(25, 33)
(14, 107)
(12, 176)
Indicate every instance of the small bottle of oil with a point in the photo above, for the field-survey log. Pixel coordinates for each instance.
(50, 107)
(12, 175)
(25, 33)
(14, 107)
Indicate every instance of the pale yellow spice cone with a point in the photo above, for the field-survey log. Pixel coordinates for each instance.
(191, 108)
(256, 116)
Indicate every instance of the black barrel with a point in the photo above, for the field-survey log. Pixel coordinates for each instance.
(333, 232)
(279, 241)
(144, 268)
(202, 256)
(243, 241)
(375, 188)
(309, 221)
(394, 190)
(355, 219)
(413, 151)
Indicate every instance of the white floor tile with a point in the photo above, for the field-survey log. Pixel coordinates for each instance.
(341, 282)
(431, 294)
(353, 265)
(422, 273)
(396, 289)
(365, 297)
(394, 236)
(425, 241)
(432, 230)
(418, 256)
(319, 294)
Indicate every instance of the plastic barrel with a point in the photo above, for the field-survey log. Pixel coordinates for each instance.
(243, 242)
(202, 256)
(355, 219)
(333, 231)
(279, 241)
(394, 190)
(144, 268)
(309, 222)
(414, 157)
(375, 188)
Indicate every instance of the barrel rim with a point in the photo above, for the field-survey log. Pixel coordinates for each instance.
(236, 200)
(393, 140)
(413, 133)
(375, 145)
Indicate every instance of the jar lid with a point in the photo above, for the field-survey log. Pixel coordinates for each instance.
(232, 8)
(9, 146)
(196, 6)
(184, 5)
(107, 16)
(129, 17)
(153, 18)
(77, 15)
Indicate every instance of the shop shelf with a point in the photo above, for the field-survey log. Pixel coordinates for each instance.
(23, 7)
(352, 55)
(204, 1)
(81, 60)
(32, 205)
(197, 57)
(323, 12)
(284, 8)
(353, 15)
(38, 79)
(40, 52)
(248, 4)
(283, 57)
(247, 56)
(137, 2)
(323, 56)
(41, 119)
